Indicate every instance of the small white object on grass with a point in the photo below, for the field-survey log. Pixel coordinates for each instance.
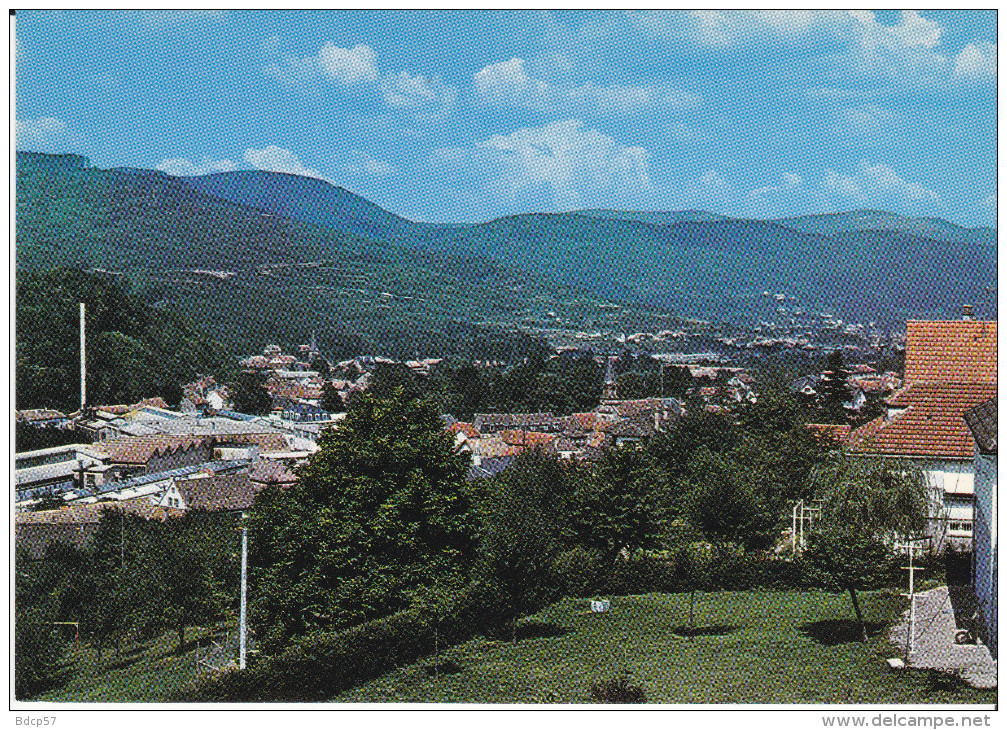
(896, 663)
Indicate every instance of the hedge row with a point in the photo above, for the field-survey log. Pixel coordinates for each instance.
(581, 573)
(320, 666)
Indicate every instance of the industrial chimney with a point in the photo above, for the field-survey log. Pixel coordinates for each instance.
(83, 371)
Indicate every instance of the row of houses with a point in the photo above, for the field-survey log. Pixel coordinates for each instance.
(493, 440)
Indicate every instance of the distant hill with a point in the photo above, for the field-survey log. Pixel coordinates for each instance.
(656, 217)
(135, 350)
(278, 255)
(252, 277)
(698, 268)
(305, 199)
(937, 229)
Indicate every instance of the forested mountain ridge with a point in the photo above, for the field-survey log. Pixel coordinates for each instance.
(255, 256)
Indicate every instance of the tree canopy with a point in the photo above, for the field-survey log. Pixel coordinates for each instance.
(867, 506)
(380, 510)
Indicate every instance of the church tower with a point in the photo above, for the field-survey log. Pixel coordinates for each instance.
(609, 391)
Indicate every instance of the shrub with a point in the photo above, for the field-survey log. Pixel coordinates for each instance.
(322, 665)
(618, 690)
(579, 572)
(38, 649)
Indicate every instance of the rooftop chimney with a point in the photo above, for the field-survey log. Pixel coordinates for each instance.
(967, 312)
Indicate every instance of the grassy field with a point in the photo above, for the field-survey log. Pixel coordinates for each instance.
(142, 672)
(749, 647)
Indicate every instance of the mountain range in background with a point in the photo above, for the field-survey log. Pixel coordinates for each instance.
(298, 245)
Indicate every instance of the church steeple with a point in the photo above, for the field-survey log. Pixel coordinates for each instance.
(609, 390)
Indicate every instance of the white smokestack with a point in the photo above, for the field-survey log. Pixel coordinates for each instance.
(83, 372)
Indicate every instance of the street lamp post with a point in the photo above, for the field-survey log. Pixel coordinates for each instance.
(244, 592)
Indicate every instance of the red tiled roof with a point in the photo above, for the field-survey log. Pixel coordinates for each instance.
(931, 426)
(465, 428)
(959, 351)
(527, 438)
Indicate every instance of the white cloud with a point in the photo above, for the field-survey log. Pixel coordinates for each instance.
(977, 60)
(724, 29)
(990, 201)
(346, 66)
(871, 184)
(362, 163)
(181, 167)
(42, 132)
(277, 159)
(358, 68)
(574, 166)
(509, 84)
(404, 91)
(850, 45)
(912, 31)
(789, 182)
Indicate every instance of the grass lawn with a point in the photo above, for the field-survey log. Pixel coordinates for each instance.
(143, 672)
(751, 647)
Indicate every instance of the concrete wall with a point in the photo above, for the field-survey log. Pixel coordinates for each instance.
(985, 546)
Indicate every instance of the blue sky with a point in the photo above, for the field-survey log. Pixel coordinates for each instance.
(467, 116)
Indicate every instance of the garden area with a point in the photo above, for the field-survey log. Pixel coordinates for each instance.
(786, 647)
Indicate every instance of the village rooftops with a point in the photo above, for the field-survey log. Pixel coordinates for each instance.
(223, 492)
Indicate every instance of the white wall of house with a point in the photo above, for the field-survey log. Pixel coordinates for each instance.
(952, 484)
(171, 497)
(985, 545)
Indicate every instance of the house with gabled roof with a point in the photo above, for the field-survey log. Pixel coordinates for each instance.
(950, 369)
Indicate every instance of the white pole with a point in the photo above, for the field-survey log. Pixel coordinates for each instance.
(912, 604)
(83, 371)
(244, 589)
(802, 524)
(793, 531)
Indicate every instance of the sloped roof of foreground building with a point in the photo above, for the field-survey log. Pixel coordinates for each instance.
(931, 426)
(950, 369)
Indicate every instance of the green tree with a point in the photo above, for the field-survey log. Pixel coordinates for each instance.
(726, 503)
(622, 501)
(38, 649)
(391, 377)
(331, 401)
(779, 443)
(866, 505)
(522, 515)
(183, 585)
(379, 511)
(250, 394)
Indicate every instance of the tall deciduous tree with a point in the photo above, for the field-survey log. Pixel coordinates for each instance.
(866, 506)
(250, 394)
(379, 511)
(622, 501)
(522, 513)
